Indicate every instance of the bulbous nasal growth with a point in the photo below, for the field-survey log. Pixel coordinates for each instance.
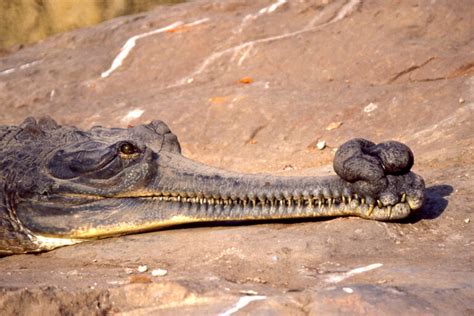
(367, 165)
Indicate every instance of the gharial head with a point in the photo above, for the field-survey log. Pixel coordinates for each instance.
(46, 158)
(64, 183)
(61, 181)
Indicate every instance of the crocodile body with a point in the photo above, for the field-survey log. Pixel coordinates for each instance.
(60, 185)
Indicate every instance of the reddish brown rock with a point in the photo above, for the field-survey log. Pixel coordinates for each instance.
(312, 63)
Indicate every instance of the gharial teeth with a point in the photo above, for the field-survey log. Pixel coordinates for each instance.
(370, 210)
(297, 202)
(404, 197)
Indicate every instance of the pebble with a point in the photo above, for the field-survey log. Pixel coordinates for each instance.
(321, 145)
(461, 100)
(467, 220)
(333, 125)
(370, 107)
(159, 272)
(142, 268)
(128, 271)
(348, 290)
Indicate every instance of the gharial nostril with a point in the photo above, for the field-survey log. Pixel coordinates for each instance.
(159, 127)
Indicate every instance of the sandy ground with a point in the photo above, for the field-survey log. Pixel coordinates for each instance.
(253, 86)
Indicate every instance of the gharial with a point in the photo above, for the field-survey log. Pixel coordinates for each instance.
(61, 185)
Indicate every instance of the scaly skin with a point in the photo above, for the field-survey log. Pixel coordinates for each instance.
(61, 185)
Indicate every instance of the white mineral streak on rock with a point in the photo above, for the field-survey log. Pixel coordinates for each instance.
(249, 17)
(272, 7)
(131, 42)
(243, 301)
(132, 115)
(21, 67)
(338, 277)
(7, 71)
(244, 55)
(244, 22)
(200, 21)
(340, 14)
(28, 65)
(347, 9)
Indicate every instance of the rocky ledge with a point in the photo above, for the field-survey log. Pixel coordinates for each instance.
(265, 86)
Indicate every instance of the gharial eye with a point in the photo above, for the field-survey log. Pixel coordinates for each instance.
(128, 149)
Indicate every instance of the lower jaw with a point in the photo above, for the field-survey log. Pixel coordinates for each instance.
(223, 212)
(178, 213)
(120, 216)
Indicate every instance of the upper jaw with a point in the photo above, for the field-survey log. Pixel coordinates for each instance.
(186, 179)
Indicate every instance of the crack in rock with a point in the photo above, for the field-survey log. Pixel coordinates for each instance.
(410, 69)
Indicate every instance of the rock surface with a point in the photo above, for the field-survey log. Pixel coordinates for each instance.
(253, 86)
